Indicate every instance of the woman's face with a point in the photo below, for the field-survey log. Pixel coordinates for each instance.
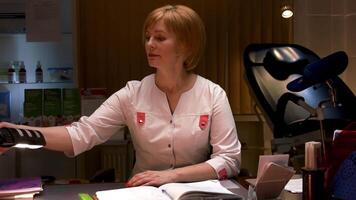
(162, 48)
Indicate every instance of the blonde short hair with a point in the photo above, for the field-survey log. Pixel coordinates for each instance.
(186, 24)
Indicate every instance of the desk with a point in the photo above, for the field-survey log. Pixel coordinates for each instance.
(70, 192)
(285, 195)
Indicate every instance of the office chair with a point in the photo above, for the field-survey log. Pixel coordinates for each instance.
(296, 111)
(345, 179)
(343, 146)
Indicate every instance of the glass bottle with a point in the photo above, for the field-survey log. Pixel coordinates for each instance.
(11, 74)
(39, 72)
(22, 73)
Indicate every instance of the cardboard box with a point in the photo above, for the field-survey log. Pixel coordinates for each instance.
(52, 106)
(71, 104)
(5, 105)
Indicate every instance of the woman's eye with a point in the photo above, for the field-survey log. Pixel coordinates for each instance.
(147, 38)
(160, 38)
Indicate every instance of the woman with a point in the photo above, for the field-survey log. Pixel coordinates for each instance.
(181, 124)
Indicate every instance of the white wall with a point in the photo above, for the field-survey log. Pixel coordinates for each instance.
(326, 26)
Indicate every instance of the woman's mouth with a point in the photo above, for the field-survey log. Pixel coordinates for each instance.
(151, 55)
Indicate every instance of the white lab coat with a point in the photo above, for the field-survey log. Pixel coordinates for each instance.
(201, 129)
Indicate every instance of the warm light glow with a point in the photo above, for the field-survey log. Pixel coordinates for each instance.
(287, 12)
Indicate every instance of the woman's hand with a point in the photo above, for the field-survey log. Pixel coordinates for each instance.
(7, 125)
(154, 178)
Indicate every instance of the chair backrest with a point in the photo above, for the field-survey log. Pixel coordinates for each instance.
(343, 144)
(344, 185)
(270, 67)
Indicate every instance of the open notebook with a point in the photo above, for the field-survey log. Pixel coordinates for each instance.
(171, 191)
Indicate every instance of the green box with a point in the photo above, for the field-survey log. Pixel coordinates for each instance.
(52, 102)
(33, 105)
(71, 102)
(34, 96)
(32, 109)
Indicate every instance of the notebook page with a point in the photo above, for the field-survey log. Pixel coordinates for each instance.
(133, 193)
(176, 190)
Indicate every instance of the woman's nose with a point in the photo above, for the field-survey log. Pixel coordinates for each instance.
(150, 44)
(149, 41)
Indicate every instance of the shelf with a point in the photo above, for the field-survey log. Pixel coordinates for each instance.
(31, 83)
(24, 33)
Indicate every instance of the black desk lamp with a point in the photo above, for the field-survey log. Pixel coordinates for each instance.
(21, 138)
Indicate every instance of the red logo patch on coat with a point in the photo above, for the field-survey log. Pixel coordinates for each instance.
(222, 174)
(140, 117)
(203, 121)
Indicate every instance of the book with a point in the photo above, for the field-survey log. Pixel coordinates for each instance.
(210, 189)
(20, 188)
(26, 196)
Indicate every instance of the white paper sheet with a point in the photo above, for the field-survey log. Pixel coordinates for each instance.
(295, 185)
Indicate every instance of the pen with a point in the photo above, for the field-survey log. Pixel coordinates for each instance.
(166, 193)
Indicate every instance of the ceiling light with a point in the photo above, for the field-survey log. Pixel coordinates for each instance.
(286, 12)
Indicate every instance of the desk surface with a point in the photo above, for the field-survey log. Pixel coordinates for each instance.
(70, 192)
